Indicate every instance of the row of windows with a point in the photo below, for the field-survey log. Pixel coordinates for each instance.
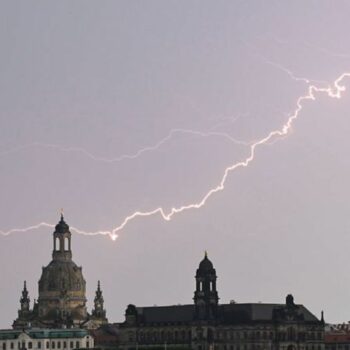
(255, 347)
(49, 345)
(291, 335)
(163, 336)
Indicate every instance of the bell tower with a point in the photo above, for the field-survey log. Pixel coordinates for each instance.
(206, 296)
(62, 241)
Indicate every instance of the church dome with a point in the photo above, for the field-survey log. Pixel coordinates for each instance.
(62, 276)
(62, 285)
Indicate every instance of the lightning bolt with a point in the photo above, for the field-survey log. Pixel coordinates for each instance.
(291, 74)
(333, 91)
(138, 153)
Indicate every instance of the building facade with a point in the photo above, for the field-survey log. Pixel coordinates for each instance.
(45, 339)
(337, 336)
(207, 324)
(62, 300)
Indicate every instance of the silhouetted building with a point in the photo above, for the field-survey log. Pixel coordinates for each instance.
(62, 300)
(206, 324)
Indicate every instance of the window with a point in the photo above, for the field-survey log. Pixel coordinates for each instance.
(53, 345)
(12, 345)
(30, 345)
(48, 345)
(3, 346)
(71, 345)
(87, 344)
(58, 345)
(65, 345)
(77, 345)
(39, 344)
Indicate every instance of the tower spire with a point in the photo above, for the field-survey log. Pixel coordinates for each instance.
(98, 313)
(25, 301)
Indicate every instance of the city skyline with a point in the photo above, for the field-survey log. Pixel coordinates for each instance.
(118, 108)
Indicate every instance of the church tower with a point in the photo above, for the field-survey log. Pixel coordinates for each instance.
(62, 301)
(98, 315)
(206, 298)
(24, 313)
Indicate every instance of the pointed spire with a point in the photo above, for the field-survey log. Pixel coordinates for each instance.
(206, 254)
(99, 296)
(25, 291)
(25, 297)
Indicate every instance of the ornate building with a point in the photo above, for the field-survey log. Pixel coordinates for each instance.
(62, 300)
(206, 324)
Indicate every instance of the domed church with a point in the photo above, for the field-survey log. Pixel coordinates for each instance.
(62, 287)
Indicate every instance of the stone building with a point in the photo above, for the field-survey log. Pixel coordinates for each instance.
(207, 324)
(45, 339)
(62, 301)
(337, 336)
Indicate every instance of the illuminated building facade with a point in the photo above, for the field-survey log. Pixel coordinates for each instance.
(62, 300)
(45, 339)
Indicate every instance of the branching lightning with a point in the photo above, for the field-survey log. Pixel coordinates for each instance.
(333, 91)
(139, 152)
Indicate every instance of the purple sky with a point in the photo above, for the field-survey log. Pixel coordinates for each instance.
(84, 82)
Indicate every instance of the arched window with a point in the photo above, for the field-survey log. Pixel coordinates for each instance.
(57, 244)
(66, 244)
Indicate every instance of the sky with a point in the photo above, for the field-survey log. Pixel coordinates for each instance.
(112, 107)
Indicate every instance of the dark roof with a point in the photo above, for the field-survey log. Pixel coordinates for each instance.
(165, 314)
(227, 313)
(237, 313)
